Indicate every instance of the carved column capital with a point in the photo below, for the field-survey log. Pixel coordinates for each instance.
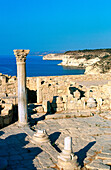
(21, 55)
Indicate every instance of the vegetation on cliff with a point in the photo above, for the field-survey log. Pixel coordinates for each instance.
(104, 64)
(88, 50)
(101, 66)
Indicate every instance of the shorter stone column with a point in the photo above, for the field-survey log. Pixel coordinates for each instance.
(40, 137)
(66, 159)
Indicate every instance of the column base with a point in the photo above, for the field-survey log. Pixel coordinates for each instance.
(40, 137)
(67, 160)
(67, 165)
(22, 124)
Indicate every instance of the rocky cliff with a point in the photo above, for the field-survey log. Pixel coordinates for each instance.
(94, 61)
(102, 66)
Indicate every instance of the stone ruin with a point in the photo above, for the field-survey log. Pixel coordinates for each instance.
(8, 99)
(58, 95)
(55, 94)
(62, 94)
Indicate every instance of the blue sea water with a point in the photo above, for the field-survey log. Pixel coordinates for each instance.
(36, 66)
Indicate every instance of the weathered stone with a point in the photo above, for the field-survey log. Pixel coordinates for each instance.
(77, 94)
(21, 76)
(40, 137)
(66, 159)
(91, 103)
(40, 109)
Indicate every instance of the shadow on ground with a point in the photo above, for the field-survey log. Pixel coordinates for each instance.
(34, 121)
(82, 154)
(14, 150)
(1, 133)
(53, 137)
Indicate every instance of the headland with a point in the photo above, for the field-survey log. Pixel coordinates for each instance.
(94, 61)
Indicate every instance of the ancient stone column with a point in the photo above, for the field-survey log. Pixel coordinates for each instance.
(66, 159)
(68, 144)
(21, 76)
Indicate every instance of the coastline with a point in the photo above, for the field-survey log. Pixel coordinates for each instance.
(93, 61)
(36, 66)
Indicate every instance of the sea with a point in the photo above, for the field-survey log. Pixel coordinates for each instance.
(36, 66)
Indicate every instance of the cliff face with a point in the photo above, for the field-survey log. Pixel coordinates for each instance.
(102, 66)
(81, 62)
(94, 61)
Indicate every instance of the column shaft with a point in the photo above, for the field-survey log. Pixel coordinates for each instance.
(22, 94)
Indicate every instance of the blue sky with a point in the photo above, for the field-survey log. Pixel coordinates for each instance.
(46, 25)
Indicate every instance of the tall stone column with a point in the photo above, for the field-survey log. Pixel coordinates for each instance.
(22, 93)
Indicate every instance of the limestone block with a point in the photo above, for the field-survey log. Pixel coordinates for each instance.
(0, 89)
(40, 109)
(12, 79)
(91, 102)
(79, 102)
(60, 105)
(59, 99)
(70, 97)
(59, 109)
(4, 112)
(46, 90)
(70, 106)
(77, 94)
(2, 94)
(65, 98)
(55, 90)
(109, 83)
(11, 95)
(60, 91)
(8, 106)
(3, 78)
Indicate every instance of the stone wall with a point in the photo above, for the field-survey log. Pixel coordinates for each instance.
(31, 83)
(62, 93)
(58, 93)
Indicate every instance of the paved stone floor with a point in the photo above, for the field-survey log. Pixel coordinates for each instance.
(91, 138)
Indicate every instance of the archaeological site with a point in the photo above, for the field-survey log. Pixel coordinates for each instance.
(55, 122)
